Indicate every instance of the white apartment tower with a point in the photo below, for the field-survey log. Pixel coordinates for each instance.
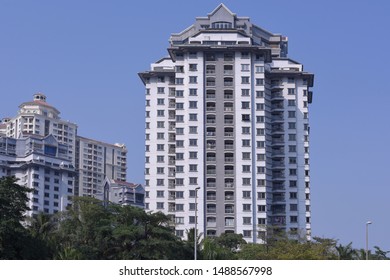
(227, 112)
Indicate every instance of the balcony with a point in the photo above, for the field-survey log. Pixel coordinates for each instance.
(211, 159)
(229, 147)
(229, 159)
(210, 96)
(228, 84)
(228, 96)
(210, 109)
(211, 172)
(211, 197)
(229, 172)
(229, 185)
(210, 84)
(211, 185)
(210, 146)
(229, 121)
(229, 134)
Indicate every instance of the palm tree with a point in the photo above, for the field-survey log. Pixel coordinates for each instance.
(346, 252)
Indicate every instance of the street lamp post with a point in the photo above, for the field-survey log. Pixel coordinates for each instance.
(367, 224)
(196, 222)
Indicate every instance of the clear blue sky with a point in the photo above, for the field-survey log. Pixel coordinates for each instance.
(85, 56)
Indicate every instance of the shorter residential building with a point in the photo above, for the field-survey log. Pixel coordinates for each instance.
(124, 193)
(41, 164)
(94, 161)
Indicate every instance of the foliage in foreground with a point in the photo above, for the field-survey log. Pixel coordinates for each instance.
(90, 231)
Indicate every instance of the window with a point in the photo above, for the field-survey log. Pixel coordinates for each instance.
(260, 144)
(291, 114)
(193, 117)
(259, 119)
(291, 91)
(292, 137)
(193, 129)
(179, 195)
(244, 80)
(290, 80)
(160, 170)
(179, 181)
(193, 104)
(246, 207)
(147, 125)
(259, 106)
(292, 148)
(292, 160)
(245, 55)
(246, 143)
(160, 182)
(246, 194)
(193, 67)
(193, 142)
(261, 221)
(259, 69)
(245, 92)
(160, 113)
(245, 118)
(293, 207)
(245, 105)
(160, 101)
(261, 195)
(179, 130)
(179, 169)
(292, 172)
(179, 156)
(260, 131)
(193, 167)
(179, 106)
(260, 157)
(160, 124)
(260, 169)
(160, 193)
(193, 79)
(160, 90)
(191, 219)
(246, 130)
(193, 155)
(259, 82)
(179, 81)
(179, 233)
(261, 208)
(160, 135)
(244, 67)
(246, 181)
(179, 143)
(179, 220)
(293, 219)
(247, 233)
(179, 207)
(291, 102)
(291, 125)
(179, 118)
(259, 94)
(246, 156)
(293, 195)
(246, 168)
(247, 220)
(160, 205)
(193, 92)
(160, 147)
(293, 184)
(179, 93)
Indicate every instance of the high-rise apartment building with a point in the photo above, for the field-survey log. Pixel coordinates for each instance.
(92, 161)
(40, 163)
(227, 112)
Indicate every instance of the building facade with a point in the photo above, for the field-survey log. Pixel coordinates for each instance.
(94, 161)
(227, 112)
(124, 193)
(40, 163)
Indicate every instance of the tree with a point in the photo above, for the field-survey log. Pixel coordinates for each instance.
(346, 252)
(15, 241)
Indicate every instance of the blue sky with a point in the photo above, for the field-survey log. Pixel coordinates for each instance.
(85, 56)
